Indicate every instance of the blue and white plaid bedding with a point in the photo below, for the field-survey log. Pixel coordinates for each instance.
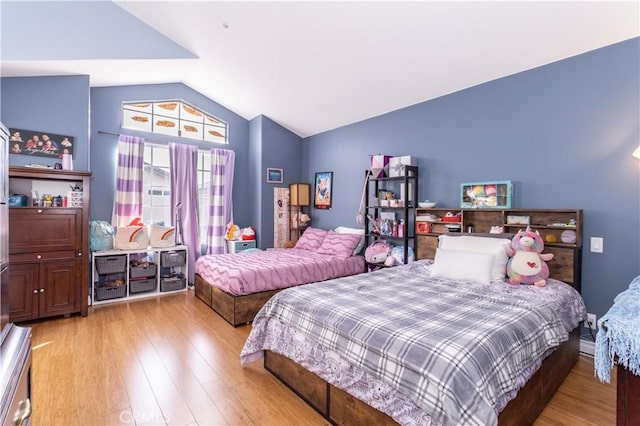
(458, 350)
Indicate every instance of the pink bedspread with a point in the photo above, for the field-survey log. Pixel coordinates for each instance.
(253, 272)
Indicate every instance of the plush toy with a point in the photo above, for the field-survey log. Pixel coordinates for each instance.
(397, 253)
(233, 232)
(527, 263)
(248, 233)
(302, 217)
(379, 253)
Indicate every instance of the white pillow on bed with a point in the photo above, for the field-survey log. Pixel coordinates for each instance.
(345, 230)
(495, 246)
(462, 265)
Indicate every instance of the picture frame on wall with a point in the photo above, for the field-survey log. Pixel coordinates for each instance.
(274, 175)
(323, 192)
(495, 194)
(41, 144)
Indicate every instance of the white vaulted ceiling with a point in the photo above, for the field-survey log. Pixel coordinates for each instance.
(310, 66)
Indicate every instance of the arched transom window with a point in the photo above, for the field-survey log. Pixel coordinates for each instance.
(174, 118)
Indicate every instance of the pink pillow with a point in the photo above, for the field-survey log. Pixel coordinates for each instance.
(340, 245)
(311, 239)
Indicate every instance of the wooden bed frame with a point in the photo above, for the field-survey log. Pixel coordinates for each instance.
(341, 408)
(236, 310)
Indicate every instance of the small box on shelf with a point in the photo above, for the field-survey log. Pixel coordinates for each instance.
(397, 165)
(75, 199)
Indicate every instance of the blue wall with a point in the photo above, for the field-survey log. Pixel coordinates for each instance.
(564, 133)
(57, 105)
(106, 115)
(275, 147)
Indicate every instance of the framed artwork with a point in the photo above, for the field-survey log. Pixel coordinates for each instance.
(497, 195)
(323, 191)
(274, 175)
(42, 144)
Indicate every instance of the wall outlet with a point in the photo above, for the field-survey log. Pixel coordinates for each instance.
(591, 321)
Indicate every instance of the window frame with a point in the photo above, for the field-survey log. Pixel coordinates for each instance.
(174, 118)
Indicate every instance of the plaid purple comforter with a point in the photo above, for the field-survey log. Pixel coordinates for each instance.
(459, 350)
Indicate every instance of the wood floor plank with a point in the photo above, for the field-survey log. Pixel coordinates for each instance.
(172, 360)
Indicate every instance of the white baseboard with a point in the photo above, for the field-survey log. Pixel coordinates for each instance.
(587, 347)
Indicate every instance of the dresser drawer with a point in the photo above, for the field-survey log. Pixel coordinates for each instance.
(39, 256)
(238, 246)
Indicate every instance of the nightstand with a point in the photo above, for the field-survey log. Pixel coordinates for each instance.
(240, 245)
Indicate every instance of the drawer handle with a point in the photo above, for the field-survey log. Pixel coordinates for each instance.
(42, 290)
(35, 291)
(24, 412)
(39, 210)
(39, 256)
(79, 254)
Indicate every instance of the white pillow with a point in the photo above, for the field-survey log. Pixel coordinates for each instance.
(495, 246)
(345, 230)
(462, 265)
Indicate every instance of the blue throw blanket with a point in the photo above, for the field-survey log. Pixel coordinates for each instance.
(619, 334)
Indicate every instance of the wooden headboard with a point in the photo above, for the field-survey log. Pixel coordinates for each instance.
(566, 264)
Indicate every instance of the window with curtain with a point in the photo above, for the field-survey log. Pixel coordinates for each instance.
(157, 187)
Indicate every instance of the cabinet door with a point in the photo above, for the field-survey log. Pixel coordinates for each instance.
(44, 229)
(23, 291)
(426, 246)
(60, 278)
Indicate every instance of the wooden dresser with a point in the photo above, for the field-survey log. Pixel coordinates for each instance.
(48, 246)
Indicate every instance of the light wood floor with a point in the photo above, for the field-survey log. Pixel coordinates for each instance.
(172, 360)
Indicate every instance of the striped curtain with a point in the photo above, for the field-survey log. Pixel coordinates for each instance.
(127, 203)
(220, 198)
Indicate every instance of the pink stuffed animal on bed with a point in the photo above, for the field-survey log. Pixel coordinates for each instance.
(527, 263)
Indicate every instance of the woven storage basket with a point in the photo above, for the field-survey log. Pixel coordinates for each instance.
(140, 286)
(111, 264)
(113, 292)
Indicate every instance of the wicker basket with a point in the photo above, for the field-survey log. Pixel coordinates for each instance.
(111, 264)
(143, 271)
(172, 284)
(113, 292)
(173, 258)
(140, 286)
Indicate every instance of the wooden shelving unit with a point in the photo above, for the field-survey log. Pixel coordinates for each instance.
(551, 224)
